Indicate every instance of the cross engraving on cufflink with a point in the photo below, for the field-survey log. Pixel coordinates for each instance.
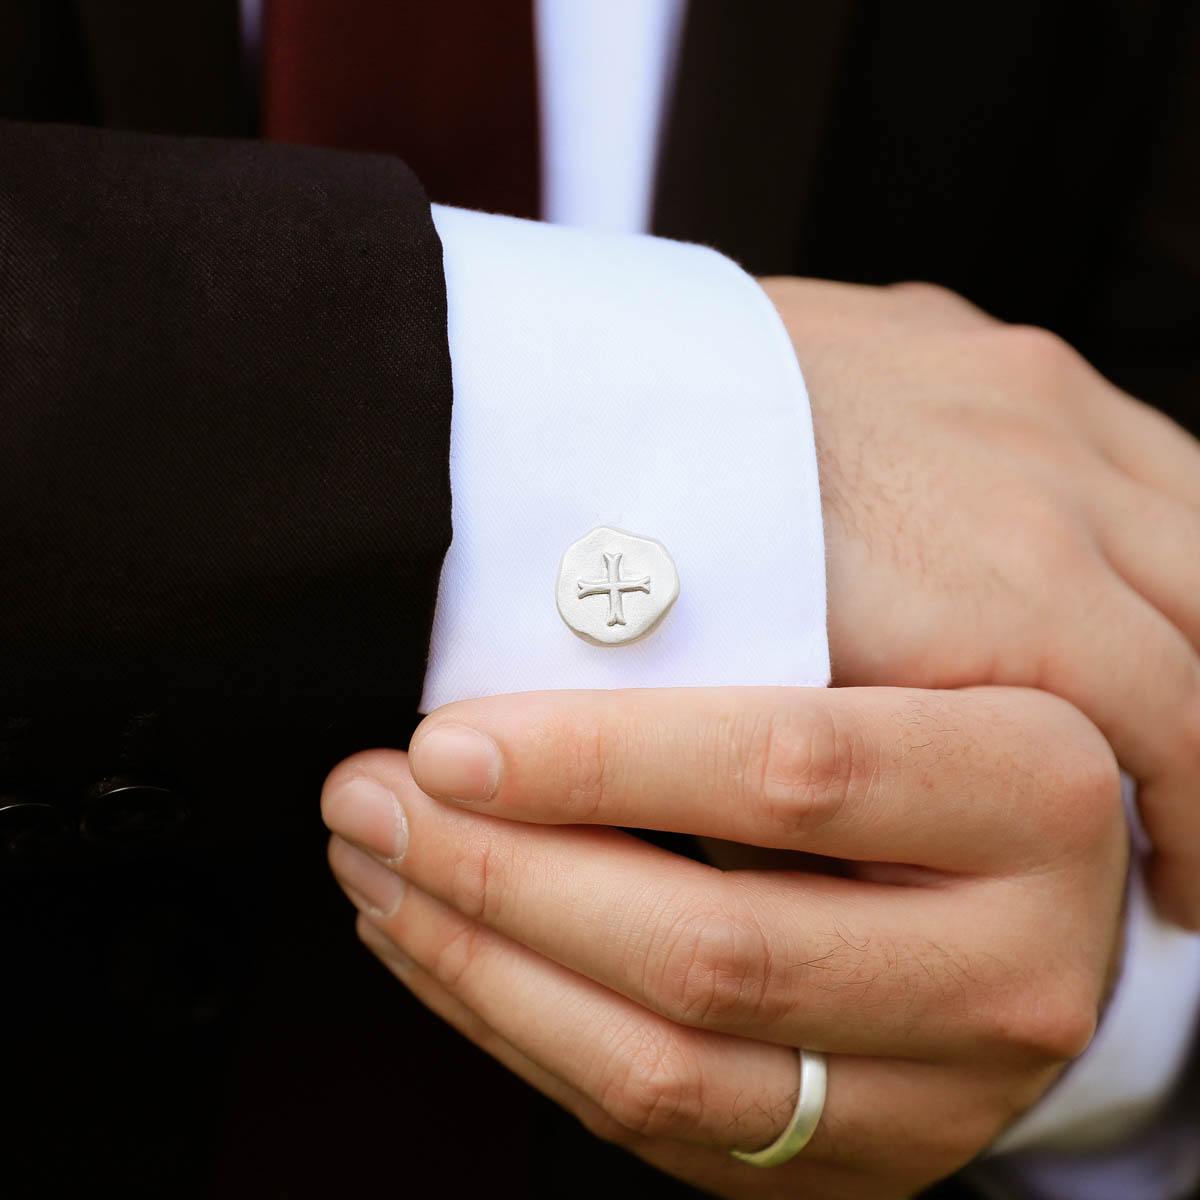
(652, 567)
(614, 587)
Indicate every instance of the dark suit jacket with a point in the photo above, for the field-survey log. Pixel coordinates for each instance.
(226, 392)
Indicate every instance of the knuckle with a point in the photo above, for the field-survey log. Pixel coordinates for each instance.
(712, 969)
(939, 301)
(1082, 775)
(654, 1088)
(584, 749)
(1092, 788)
(1070, 1026)
(804, 770)
(1052, 529)
(1037, 349)
(924, 292)
(475, 880)
(464, 945)
(1051, 1023)
(1041, 539)
(1053, 371)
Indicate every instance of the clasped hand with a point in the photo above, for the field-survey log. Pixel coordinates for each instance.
(925, 885)
(955, 960)
(997, 512)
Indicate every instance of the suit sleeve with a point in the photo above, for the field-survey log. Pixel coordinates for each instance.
(226, 400)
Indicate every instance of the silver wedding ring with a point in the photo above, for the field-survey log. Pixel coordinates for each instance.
(810, 1103)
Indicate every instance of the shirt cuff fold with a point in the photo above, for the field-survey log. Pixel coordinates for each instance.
(609, 379)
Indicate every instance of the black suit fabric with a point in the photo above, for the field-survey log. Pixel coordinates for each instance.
(226, 398)
(1043, 159)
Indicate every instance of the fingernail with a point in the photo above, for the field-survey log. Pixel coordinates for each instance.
(380, 888)
(456, 763)
(364, 811)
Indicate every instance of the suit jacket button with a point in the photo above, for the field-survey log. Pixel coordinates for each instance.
(125, 812)
(33, 831)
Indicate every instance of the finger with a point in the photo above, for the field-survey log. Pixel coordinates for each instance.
(653, 1078)
(1153, 542)
(772, 955)
(1147, 704)
(700, 1165)
(653, 1084)
(847, 773)
(451, 1010)
(1148, 445)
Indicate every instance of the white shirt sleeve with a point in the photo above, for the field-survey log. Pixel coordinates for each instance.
(612, 379)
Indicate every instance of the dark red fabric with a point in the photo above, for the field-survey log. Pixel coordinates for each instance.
(451, 86)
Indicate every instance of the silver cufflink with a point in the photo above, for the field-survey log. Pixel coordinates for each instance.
(615, 587)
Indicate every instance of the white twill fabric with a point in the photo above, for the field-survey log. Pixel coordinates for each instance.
(600, 142)
(609, 379)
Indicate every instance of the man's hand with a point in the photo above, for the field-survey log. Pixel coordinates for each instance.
(996, 512)
(951, 969)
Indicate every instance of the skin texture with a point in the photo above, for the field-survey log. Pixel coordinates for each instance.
(969, 929)
(924, 884)
(996, 512)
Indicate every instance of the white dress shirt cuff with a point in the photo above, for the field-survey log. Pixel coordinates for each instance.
(611, 379)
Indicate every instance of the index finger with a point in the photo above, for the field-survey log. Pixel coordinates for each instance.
(954, 780)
